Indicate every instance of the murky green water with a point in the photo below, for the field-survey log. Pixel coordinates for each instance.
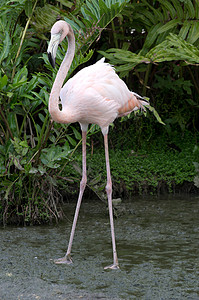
(158, 249)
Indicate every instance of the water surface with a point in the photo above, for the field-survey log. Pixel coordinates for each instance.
(157, 241)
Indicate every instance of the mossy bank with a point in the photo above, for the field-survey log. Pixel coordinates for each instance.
(155, 168)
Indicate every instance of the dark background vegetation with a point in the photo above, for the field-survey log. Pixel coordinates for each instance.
(154, 46)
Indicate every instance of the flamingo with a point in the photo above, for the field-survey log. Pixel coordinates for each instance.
(95, 95)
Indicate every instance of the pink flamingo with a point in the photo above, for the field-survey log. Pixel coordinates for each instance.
(96, 95)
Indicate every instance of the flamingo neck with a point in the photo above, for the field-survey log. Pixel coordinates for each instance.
(58, 115)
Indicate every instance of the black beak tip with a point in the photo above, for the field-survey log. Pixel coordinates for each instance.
(51, 60)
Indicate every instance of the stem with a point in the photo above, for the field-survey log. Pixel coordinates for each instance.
(43, 138)
(22, 40)
(194, 81)
(33, 157)
(1, 141)
(114, 34)
(3, 130)
(6, 123)
(146, 78)
(47, 134)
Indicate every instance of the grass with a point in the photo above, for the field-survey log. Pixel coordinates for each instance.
(156, 167)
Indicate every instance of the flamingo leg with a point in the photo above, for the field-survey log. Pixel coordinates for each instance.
(115, 264)
(67, 258)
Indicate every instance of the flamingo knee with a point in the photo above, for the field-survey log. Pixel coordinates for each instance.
(109, 188)
(83, 183)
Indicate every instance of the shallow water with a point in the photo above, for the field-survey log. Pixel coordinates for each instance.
(158, 248)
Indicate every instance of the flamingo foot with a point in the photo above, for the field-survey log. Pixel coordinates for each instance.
(112, 267)
(64, 260)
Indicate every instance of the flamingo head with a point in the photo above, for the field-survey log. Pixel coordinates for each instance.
(58, 32)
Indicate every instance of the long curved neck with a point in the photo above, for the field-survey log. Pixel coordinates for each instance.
(53, 106)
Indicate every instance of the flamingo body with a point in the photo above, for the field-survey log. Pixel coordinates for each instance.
(96, 95)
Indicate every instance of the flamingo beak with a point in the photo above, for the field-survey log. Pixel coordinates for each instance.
(52, 48)
(51, 60)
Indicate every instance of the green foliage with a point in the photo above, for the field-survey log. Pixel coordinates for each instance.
(153, 169)
(162, 51)
(148, 39)
(196, 165)
(33, 149)
(165, 17)
(169, 32)
(22, 138)
(96, 16)
(172, 48)
(44, 17)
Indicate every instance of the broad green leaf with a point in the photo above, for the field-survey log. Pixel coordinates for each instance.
(27, 96)
(71, 140)
(38, 96)
(20, 77)
(50, 156)
(28, 8)
(6, 47)
(197, 9)
(11, 118)
(192, 103)
(93, 9)
(155, 113)
(3, 81)
(158, 16)
(66, 3)
(185, 29)
(76, 133)
(169, 25)
(87, 13)
(150, 16)
(33, 170)
(188, 4)
(193, 33)
(66, 147)
(169, 7)
(151, 37)
(103, 7)
(140, 16)
(21, 147)
(23, 144)
(41, 170)
(178, 8)
(42, 118)
(173, 48)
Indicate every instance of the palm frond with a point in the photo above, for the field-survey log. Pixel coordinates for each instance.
(173, 48)
(172, 34)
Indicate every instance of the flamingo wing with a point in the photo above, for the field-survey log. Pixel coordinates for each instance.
(97, 95)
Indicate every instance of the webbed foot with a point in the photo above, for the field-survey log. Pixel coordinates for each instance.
(64, 260)
(112, 267)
